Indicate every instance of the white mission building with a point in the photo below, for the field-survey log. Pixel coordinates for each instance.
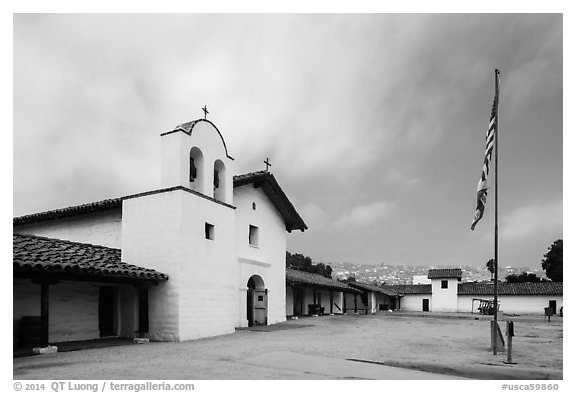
(199, 256)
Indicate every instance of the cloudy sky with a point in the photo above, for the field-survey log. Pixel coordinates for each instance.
(374, 123)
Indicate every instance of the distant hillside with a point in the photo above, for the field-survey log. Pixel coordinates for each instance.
(403, 274)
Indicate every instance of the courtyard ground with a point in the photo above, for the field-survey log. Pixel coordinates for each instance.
(330, 347)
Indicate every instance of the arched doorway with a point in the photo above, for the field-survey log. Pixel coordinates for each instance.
(257, 302)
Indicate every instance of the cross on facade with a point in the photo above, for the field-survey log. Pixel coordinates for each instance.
(205, 111)
(267, 164)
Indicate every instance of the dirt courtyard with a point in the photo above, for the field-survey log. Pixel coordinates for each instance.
(445, 344)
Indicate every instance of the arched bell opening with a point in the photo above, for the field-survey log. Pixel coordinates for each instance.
(196, 170)
(219, 182)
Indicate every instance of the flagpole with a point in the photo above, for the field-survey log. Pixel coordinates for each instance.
(497, 98)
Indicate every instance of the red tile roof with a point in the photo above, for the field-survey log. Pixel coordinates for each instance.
(36, 254)
(372, 288)
(511, 288)
(445, 273)
(409, 289)
(484, 289)
(298, 277)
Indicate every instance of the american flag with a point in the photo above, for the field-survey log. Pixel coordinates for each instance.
(482, 190)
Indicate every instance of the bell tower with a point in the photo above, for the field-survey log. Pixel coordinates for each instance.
(194, 155)
(186, 229)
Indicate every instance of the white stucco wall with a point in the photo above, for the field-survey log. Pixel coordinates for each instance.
(268, 259)
(444, 299)
(165, 231)
(533, 304)
(414, 302)
(102, 228)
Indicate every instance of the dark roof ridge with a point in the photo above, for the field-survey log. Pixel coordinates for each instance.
(188, 126)
(278, 197)
(105, 204)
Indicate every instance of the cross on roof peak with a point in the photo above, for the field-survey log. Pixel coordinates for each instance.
(205, 111)
(267, 164)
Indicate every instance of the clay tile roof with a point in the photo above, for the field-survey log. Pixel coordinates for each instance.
(316, 280)
(372, 288)
(69, 211)
(445, 273)
(186, 127)
(36, 254)
(409, 289)
(271, 188)
(511, 288)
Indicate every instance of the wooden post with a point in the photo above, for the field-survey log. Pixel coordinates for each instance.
(331, 302)
(509, 334)
(344, 301)
(44, 312)
(355, 303)
(294, 300)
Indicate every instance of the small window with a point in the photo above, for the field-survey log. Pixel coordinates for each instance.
(253, 205)
(253, 236)
(444, 284)
(209, 231)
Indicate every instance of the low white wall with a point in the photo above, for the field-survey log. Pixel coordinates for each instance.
(414, 302)
(533, 304)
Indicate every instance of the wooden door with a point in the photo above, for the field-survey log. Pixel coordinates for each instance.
(425, 304)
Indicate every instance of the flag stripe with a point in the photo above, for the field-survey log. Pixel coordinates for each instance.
(482, 190)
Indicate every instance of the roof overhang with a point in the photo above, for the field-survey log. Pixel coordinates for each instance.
(268, 184)
(45, 259)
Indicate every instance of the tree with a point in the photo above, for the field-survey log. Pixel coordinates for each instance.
(490, 267)
(552, 262)
(523, 277)
(304, 263)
